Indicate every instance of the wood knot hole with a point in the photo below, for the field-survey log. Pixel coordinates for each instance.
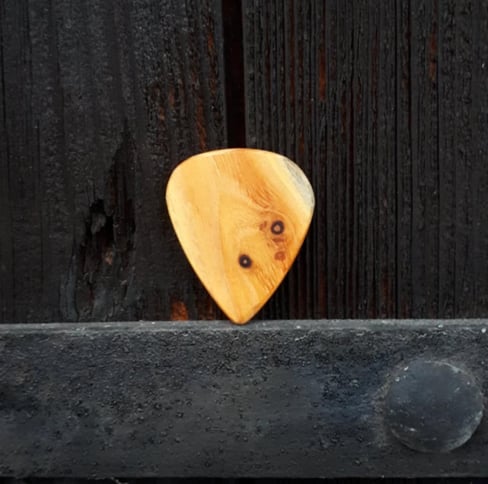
(245, 261)
(277, 227)
(280, 255)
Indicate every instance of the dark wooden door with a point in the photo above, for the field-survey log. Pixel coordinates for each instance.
(384, 105)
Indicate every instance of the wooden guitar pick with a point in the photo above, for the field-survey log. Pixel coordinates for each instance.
(241, 216)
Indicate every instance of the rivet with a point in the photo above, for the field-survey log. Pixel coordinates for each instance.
(433, 406)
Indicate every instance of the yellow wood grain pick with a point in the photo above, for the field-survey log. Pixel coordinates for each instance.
(241, 216)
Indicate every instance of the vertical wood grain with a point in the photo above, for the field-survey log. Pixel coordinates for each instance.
(99, 101)
(384, 106)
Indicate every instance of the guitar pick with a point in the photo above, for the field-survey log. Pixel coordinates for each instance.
(241, 216)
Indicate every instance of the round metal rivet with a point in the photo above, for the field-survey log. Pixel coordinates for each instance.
(433, 406)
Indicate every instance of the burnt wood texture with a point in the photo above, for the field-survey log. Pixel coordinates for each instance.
(383, 104)
(100, 100)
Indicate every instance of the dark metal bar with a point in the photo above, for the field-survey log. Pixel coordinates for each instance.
(270, 399)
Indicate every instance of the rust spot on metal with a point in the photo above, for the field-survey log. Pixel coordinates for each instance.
(179, 311)
(280, 255)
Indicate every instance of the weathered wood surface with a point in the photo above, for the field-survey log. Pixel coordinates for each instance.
(270, 399)
(383, 104)
(99, 102)
(385, 107)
